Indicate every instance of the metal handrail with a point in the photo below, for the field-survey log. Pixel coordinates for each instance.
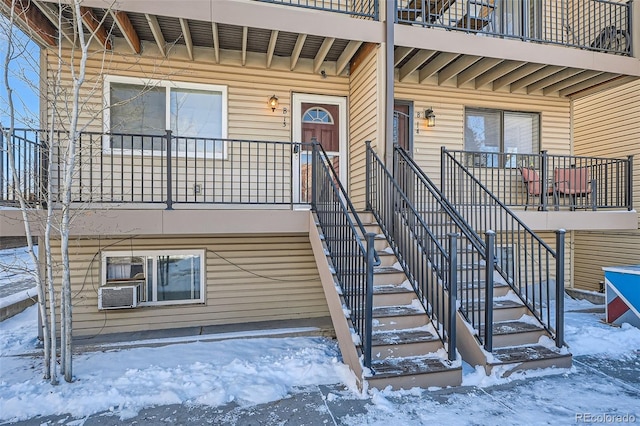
(530, 261)
(166, 169)
(596, 25)
(360, 8)
(475, 276)
(430, 266)
(353, 261)
(608, 186)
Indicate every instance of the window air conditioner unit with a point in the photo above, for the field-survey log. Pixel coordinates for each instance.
(119, 296)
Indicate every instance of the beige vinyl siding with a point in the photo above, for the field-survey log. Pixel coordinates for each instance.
(247, 279)
(364, 96)
(249, 117)
(449, 104)
(607, 125)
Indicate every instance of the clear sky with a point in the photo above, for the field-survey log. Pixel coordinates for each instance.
(23, 77)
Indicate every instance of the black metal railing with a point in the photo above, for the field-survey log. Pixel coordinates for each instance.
(548, 181)
(352, 258)
(358, 8)
(29, 166)
(533, 270)
(163, 169)
(598, 25)
(429, 261)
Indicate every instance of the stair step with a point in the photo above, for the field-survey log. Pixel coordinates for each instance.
(398, 317)
(503, 310)
(419, 371)
(530, 357)
(404, 343)
(388, 295)
(516, 333)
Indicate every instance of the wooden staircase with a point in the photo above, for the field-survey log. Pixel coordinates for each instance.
(406, 350)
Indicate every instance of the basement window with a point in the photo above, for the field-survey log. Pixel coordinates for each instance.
(139, 112)
(496, 131)
(168, 277)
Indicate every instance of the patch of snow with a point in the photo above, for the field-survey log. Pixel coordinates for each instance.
(388, 250)
(397, 266)
(31, 293)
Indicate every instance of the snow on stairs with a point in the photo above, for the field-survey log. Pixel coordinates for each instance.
(407, 351)
(520, 342)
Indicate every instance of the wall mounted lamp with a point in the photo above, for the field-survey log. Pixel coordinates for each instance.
(430, 117)
(273, 103)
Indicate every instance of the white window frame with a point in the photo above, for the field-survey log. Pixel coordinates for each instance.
(168, 85)
(154, 254)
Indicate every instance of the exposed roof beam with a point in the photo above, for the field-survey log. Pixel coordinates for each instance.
(216, 42)
(322, 53)
(52, 16)
(584, 75)
(616, 81)
(454, 68)
(272, 47)
(157, 33)
(186, 33)
(522, 71)
(295, 55)
(400, 53)
(552, 79)
(587, 84)
(126, 28)
(361, 56)
(415, 62)
(346, 55)
(535, 76)
(245, 39)
(497, 72)
(94, 25)
(476, 69)
(440, 61)
(36, 23)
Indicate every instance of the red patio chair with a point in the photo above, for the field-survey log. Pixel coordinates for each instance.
(533, 185)
(574, 182)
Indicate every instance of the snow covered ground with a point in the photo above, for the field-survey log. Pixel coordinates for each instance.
(16, 281)
(250, 372)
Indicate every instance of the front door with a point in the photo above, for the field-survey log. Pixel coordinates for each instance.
(320, 118)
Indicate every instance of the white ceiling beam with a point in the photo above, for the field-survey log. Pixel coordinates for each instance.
(400, 53)
(186, 33)
(295, 55)
(216, 42)
(245, 40)
(476, 69)
(322, 53)
(497, 72)
(535, 76)
(439, 62)
(157, 33)
(456, 67)
(415, 62)
(346, 55)
(517, 74)
(272, 47)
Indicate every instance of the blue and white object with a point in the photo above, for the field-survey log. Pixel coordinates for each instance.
(622, 289)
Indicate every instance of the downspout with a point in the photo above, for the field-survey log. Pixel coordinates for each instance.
(390, 13)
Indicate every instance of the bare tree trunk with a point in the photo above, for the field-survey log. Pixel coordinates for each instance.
(40, 282)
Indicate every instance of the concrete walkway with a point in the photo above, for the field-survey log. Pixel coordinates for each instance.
(558, 399)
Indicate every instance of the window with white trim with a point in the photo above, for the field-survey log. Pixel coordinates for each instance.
(168, 277)
(139, 112)
(509, 132)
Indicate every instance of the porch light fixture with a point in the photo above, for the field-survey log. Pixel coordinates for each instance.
(273, 103)
(430, 117)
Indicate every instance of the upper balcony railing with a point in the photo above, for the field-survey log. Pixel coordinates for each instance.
(356, 8)
(598, 25)
(155, 169)
(545, 181)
